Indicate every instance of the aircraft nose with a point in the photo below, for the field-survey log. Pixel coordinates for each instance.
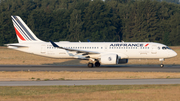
(173, 54)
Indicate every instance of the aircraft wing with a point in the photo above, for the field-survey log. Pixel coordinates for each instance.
(77, 50)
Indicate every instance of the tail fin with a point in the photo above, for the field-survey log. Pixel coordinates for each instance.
(23, 33)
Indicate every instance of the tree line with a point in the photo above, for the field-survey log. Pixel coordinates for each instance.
(97, 20)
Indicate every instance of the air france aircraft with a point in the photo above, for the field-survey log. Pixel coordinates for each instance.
(96, 53)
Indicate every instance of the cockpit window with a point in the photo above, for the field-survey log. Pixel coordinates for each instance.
(165, 47)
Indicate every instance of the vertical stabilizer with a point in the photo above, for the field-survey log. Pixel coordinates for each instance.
(23, 33)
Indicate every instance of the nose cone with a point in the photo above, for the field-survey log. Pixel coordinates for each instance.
(172, 54)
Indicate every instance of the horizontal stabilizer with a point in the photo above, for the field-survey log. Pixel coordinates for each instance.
(16, 45)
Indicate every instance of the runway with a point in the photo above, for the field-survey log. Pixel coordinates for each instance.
(123, 68)
(91, 82)
(109, 68)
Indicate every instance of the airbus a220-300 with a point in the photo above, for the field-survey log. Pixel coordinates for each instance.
(97, 53)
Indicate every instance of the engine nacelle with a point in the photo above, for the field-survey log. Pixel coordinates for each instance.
(112, 59)
(109, 59)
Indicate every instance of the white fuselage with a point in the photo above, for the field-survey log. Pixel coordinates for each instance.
(125, 50)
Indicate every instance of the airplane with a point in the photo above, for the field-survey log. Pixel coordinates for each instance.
(97, 53)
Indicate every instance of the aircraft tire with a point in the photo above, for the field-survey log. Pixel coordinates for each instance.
(97, 64)
(90, 65)
(162, 65)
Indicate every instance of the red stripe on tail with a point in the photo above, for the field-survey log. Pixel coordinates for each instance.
(19, 35)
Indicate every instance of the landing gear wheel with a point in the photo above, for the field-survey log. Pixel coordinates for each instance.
(97, 64)
(162, 65)
(161, 59)
(90, 65)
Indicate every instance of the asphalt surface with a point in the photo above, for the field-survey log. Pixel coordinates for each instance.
(91, 82)
(127, 68)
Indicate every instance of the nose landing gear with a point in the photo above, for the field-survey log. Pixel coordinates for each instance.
(162, 65)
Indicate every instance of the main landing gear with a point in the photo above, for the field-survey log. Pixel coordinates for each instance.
(162, 65)
(90, 65)
(97, 64)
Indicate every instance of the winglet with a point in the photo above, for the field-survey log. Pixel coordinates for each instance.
(55, 45)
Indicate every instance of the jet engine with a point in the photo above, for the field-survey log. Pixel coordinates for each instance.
(109, 59)
(112, 59)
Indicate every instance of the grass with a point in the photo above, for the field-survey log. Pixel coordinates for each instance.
(66, 75)
(92, 93)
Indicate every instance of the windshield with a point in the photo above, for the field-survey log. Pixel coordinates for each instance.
(165, 47)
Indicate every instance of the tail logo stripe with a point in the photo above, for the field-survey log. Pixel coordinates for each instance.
(24, 28)
(19, 35)
(19, 28)
(23, 32)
